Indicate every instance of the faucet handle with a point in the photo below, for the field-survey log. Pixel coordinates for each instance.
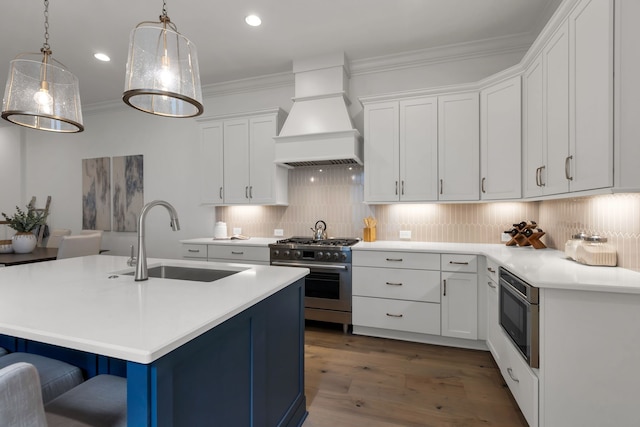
(132, 259)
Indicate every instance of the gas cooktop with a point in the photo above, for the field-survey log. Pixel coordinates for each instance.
(306, 241)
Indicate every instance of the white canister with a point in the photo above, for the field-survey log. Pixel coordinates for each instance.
(220, 230)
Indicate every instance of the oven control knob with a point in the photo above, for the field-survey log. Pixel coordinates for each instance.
(286, 254)
(336, 256)
(344, 257)
(276, 253)
(327, 255)
(297, 254)
(319, 255)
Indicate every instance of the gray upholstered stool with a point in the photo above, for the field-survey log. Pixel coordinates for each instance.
(99, 402)
(3, 351)
(56, 377)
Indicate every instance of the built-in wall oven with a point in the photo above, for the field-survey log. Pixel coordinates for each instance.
(519, 315)
(328, 285)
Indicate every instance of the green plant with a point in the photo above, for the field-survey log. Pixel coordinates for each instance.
(23, 221)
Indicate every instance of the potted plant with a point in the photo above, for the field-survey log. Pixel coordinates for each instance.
(24, 222)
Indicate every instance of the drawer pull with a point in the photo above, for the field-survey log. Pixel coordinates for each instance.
(237, 253)
(394, 259)
(459, 263)
(491, 285)
(393, 284)
(394, 315)
(490, 270)
(194, 250)
(510, 372)
(444, 292)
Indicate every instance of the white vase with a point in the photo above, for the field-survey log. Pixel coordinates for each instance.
(24, 243)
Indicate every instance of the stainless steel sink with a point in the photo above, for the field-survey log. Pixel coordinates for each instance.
(186, 273)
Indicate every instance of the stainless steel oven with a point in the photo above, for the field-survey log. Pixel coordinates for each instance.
(328, 285)
(519, 315)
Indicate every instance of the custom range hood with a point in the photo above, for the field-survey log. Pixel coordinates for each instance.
(319, 129)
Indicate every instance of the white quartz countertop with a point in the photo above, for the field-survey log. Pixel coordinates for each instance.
(252, 241)
(80, 303)
(543, 268)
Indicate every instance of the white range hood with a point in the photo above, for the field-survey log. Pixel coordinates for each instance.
(319, 129)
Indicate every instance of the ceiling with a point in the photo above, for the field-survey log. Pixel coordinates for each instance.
(228, 49)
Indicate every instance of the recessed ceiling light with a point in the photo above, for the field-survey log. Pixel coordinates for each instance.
(102, 57)
(253, 20)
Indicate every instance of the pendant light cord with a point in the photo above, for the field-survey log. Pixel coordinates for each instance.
(46, 48)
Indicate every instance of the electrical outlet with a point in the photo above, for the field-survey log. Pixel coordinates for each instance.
(278, 232)
(237, 230)
(405, 234)
(505, 237)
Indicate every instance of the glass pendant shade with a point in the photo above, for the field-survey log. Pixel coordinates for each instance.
(42, 94)
(162, 76)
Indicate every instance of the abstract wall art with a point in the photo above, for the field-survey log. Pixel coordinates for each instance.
(128, 186)
(96, 194)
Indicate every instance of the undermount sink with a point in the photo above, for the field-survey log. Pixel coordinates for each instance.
(186, 273)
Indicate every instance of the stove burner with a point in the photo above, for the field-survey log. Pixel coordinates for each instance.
(324, 242)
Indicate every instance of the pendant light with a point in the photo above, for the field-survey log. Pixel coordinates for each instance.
(41, 93)
(162, 70)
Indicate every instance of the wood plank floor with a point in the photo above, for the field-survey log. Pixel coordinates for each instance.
(361, 381)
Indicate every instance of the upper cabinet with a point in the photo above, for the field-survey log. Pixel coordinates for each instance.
(421, 148)
(500, 140)
(237, 160)
(568, 106)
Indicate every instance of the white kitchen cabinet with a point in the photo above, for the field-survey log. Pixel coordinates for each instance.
(459, 146)
(501, 140)
(401, 160)
(237, 153)
(227, 252)
(591, 95)
(459, 299)
(495, 339)
(212, 162)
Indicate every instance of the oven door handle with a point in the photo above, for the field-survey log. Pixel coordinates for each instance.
(309, 265)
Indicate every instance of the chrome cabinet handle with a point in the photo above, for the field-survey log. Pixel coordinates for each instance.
(510, 372)
(246, 192)
(251, 191)
(567, 163)
(394, 315)
(491, 270)
(441, 186)
(220, 192)
(491, 285)
(402, 191)
(237, 253)
(459, 263)
(444, 293)
(538, 178)
(394, 259)
(396, 188)
(194, 250)
(482, 184)
(542, 184)
(393, 284)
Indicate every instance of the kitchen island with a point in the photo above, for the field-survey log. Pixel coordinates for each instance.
(228, 352)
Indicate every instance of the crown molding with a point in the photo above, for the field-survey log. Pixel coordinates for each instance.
(269, 81)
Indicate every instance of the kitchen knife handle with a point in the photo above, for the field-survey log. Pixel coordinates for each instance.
(567, 163)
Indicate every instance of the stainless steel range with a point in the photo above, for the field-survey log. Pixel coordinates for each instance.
(328, 285)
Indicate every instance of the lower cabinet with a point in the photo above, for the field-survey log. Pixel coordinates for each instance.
(460, 305)
(243, 254)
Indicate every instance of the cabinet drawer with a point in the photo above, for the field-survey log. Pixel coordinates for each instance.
(415, 260)
(394, 283)
(492, 270)
(460, 263)
(522, 382)
(239, 252)
(408, 316)
(190, 250)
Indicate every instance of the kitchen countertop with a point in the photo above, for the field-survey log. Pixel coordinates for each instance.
(543, 268)
(253, 241)
(79, 303)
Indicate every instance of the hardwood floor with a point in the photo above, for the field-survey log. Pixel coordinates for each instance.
(361, 381)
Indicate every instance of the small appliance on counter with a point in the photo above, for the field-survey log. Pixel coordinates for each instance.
(526, 234)
(594, 250)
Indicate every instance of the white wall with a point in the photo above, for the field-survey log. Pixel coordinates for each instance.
(169, 146)
(11, 174)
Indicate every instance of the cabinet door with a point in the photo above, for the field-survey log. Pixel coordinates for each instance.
(459, 146)
(501, 141)
(556, 108)
(494, 336)
(236, 155)
(381, 161)
(262, 170)
(419, 149)
(459, 300)
(211, 163)
(591, 95)
(532, 135)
